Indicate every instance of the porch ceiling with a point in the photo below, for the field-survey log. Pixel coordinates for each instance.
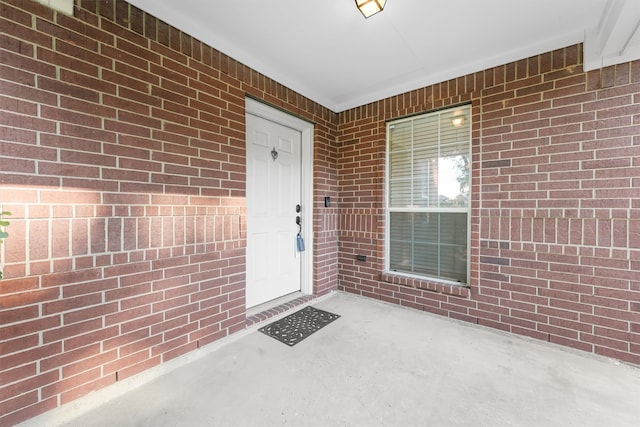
(328, 52)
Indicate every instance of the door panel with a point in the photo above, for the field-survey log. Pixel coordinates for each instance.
(273, 191)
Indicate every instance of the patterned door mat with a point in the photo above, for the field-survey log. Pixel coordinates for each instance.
(299, 325)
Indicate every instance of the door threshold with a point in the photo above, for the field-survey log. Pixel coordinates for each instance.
(277, 308)
(265, 306)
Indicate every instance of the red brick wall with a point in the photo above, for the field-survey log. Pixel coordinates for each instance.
(555, 245)
(122, 161)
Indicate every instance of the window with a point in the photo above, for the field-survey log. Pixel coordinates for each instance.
(428, 198)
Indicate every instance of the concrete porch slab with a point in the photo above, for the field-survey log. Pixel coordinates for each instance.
(383, 365)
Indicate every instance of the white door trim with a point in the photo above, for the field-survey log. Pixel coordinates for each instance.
(264, 111)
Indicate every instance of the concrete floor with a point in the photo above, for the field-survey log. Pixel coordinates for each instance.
(383, 365)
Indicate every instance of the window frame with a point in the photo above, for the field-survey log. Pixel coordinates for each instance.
(466, 108)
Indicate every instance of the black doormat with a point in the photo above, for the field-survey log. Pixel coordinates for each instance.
(299, 325)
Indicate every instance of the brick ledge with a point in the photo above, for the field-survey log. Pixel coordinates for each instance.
(462, 291)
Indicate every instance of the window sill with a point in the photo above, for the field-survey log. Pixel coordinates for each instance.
(430, 285)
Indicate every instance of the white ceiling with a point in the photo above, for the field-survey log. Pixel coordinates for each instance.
(328, 52)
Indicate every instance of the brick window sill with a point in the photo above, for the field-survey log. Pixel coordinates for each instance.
(462, 291)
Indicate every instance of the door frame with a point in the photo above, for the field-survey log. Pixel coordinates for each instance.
(305, 128)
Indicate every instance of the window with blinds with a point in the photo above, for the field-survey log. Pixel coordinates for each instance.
(428, 199)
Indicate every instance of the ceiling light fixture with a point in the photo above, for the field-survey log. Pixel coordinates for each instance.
(370, 7)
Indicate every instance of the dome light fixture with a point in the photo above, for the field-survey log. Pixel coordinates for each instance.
(370, 7)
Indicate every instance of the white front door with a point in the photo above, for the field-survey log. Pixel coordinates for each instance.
(274, 155)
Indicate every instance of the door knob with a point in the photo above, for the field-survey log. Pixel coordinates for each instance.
(298, 208)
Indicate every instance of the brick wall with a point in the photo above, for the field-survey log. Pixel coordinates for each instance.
(122, 161)
(555, 244)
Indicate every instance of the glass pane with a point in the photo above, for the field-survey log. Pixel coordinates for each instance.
(400, 257)
(400, 164)
(455, 125)
(453, 263)
(425, 185)
(400, 136)
(401, 243)
(453, 246)
(426, 227)
(453, 228)
(453, 181)
(401, 226)
(426, 260)
(457, 149)
(400, 193)
(429, 243)
(425, 131)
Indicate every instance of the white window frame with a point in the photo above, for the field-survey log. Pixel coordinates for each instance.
(389, 209)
